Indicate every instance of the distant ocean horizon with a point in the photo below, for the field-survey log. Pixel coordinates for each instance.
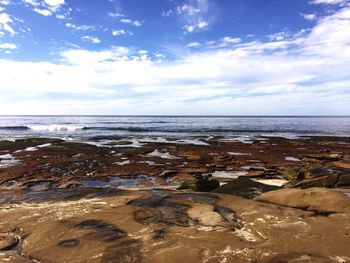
(160, 127)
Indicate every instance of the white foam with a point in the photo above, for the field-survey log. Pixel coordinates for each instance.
(6, 156)
(55, 128)
(44, 145)
(292, 159)
(151, 163)
(30, 149)
(165, 155)
(7, 160)
(238, 153)
(123, 163)
(180, 141)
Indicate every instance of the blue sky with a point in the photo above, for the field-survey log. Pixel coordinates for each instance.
(242, 57)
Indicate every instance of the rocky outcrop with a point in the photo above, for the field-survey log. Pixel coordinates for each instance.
(164, 226)
(320, 200)
(245, 187)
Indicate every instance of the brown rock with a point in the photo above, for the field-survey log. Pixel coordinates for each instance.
(7, 241)
(313, 199)
(324, 181)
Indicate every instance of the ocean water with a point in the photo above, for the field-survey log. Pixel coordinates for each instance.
(163, 128)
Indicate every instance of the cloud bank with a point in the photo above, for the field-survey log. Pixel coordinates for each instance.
(306, 72)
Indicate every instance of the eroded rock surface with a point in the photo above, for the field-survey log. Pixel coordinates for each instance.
(165, 226)
(71, 202)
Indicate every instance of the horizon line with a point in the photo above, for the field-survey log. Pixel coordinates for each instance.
(175, 115)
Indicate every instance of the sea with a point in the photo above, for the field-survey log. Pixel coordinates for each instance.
(101, 130)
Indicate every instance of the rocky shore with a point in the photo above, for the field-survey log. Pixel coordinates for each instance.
(269, 200)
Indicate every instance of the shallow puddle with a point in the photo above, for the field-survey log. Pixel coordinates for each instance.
(163, 155)
(228, 174)
(132, 183)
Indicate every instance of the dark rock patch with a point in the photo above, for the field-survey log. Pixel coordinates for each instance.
(158, 234)
(8, 241)
(229, 215)
(101, 231)
(123, 251)
(69, 243)
(344, 181)
(245, 187)
(161, 210)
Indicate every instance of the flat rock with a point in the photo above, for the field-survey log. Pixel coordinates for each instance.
(313, 199)
(172, 227)
(323, 181)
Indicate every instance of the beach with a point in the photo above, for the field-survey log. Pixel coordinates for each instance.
(200, 198)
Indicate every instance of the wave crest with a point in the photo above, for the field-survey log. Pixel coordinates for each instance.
(55, 128)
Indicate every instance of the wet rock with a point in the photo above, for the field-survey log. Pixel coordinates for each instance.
(229, 216)
(344, 181)
(317, 172)
(206, 184)
(168, 173)
(313, 199)
(201, 170)
(333, 157)
(297, 257)
(159, 234)
(345, 165)
(201, 185)
(69, 243)
(100, 230)
(323, 181)
(8, 241)
(188, 185)
(245, 187)
(124, 251)
(161, 210)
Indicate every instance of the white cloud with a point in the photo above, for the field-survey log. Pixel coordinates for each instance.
(202, 24)
(310, 17)
(44, 12)
(45, 7)
(79, 28)
(188, 9)
(114, 15)
(329, 2)
(193, 14)
(299, 74)
(5, 2)
(279, 36)
(81, 56)
(54, 4)
(131, 22)
(91, 39)
(5, 21)
(193, 44)
(231, 40)
(167, 13)
(61, 17)
(7, 46)
(31, 2)
(121, 32)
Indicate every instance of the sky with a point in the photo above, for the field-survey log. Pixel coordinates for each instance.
(175, 57)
